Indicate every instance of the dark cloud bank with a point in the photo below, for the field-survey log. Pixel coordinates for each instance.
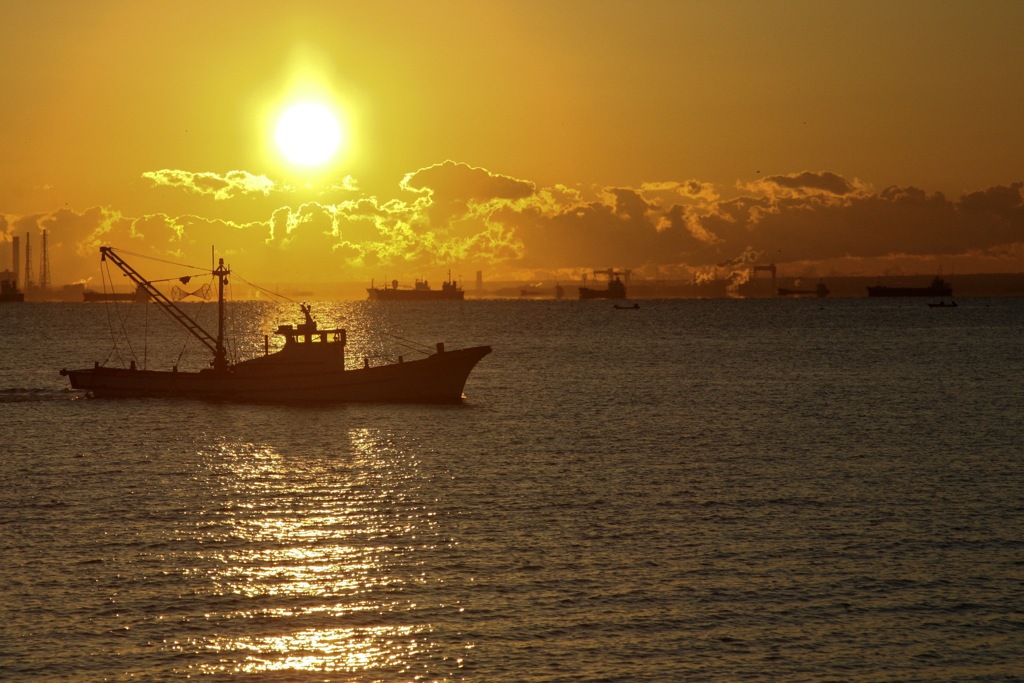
(452, 215)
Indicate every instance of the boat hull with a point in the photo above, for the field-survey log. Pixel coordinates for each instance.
(439, 378)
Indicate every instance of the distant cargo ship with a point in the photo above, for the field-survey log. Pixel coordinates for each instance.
(938, 287)
(820, 291)
(420, 292)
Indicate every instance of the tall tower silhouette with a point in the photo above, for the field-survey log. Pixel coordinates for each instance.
(44, 276)
(29, 284)
(16, 258)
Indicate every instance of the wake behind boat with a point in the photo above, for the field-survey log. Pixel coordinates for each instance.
(309, 368)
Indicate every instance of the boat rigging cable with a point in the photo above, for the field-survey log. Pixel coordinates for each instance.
(419, 347)
(179, 316)
(122, 319)
(105, 276)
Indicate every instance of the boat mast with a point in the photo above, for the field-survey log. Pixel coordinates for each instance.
(220, 361)
(216, 346)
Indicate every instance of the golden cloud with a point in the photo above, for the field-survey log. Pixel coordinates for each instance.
(454, 215)
(220, 187)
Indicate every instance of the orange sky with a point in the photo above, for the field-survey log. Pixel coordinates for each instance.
(522, 138)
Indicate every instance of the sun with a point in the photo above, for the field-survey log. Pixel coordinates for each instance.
(308, 134)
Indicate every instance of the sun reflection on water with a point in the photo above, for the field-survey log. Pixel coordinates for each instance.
(348, 650)
(311, 558)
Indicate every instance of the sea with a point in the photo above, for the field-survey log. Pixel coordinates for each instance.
(694, 490)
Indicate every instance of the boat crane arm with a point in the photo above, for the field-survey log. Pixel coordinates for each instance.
(215, 345)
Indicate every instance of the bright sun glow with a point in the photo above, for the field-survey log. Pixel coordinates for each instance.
(308, 134)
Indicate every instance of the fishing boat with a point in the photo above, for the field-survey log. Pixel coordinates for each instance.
(937, 288)
(421, 291)
(310, 367)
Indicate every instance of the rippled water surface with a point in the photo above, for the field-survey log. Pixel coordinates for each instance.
(695, 490)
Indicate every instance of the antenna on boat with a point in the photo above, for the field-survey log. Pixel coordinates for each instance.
(220, 361)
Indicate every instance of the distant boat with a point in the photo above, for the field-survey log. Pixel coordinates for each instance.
(533, 291)
(9, 291)
(938, 288)
(309, 368)
(616, 288)
(627, 308)
(421, 291)
(820, 291)
(530, 290)
(943, 304)
(138, 295)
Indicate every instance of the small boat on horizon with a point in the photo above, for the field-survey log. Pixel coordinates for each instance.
(627, 308)
(821, 291)
(309, 368)
(943, 304)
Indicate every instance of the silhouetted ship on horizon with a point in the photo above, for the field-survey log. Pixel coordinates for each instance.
(820, 291)
(532, 291)
(309, 368)
(9, 291)
(92, 295)
(616, 287)
(938, 288)
(421, 291)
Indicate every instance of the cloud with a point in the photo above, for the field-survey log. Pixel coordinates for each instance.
(452, 215)
(452, 181)
(811, 183)
(220, 187)
(1002, 203)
